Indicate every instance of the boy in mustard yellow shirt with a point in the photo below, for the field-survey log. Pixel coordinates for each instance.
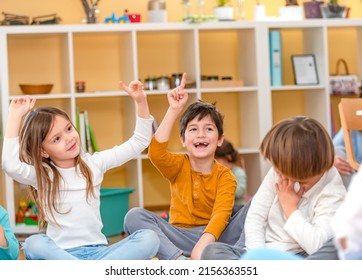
(202, 190)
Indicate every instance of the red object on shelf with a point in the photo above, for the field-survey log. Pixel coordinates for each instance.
(134, 17)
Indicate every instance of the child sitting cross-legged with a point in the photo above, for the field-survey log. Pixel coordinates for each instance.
(202, 190)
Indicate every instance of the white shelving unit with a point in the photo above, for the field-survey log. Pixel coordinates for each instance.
(104, 54)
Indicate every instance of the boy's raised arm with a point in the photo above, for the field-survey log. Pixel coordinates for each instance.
(177, 99)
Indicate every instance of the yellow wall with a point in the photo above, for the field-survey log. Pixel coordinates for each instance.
(71, 11)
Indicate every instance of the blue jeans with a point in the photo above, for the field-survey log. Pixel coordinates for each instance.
(142, 245)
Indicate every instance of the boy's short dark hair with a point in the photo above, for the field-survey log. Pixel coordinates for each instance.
(201, 109)
(299, 147)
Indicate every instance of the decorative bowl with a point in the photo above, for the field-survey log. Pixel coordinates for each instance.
(36, 88)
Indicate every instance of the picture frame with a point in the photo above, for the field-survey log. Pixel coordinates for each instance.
(305, 69)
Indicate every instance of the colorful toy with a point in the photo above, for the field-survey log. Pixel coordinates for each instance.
(114, 19)
(165, 216)
(22, 212)
(27, 213)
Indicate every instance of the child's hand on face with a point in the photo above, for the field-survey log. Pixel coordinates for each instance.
(20, 106)
(135, 90)
(288, 198)
(177, 98)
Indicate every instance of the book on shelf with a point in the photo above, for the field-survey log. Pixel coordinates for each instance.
(275, 52)
(86, 134)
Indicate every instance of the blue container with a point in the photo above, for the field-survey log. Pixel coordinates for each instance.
(114, 206)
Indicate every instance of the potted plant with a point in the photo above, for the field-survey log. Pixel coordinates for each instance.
(291, 11)
(333, 10)
(223, 11)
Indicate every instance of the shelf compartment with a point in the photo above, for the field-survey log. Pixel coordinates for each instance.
(166, 53)
(102, 59)
(115, 111)
(38, 59)
(228, 52)
(315, 104)
(307, 40)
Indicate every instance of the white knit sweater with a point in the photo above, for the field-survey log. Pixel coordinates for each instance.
(307, 228)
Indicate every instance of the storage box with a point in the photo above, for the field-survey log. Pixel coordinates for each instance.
(222, 83)
(114, 206)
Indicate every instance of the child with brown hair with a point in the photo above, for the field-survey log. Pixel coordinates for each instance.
(293, 208)
(202, 190)
(65, 181)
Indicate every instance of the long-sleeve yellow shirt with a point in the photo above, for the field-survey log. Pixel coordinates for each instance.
(197, 199)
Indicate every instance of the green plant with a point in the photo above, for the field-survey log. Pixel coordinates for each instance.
(221, 3)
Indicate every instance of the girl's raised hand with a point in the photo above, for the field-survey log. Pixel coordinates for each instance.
(20, 106)
(135, 90)
(177, 97)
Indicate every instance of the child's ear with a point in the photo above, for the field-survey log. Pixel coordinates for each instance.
(44, 154)
(220, 141)
(182, 141)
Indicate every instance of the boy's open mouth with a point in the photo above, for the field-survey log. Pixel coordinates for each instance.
(201, 145)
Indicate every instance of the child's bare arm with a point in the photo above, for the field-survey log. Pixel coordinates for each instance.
(18, 108)
(136, 91)
(205, 239)
(177, 99)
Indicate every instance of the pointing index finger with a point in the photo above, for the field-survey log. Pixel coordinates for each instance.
(183, 80)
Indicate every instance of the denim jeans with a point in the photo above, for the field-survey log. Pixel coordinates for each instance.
(175, 241)
(141, 245)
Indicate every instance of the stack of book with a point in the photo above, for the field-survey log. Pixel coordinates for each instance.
(87, 138)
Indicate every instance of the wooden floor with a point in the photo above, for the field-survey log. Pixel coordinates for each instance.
(111, 240)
